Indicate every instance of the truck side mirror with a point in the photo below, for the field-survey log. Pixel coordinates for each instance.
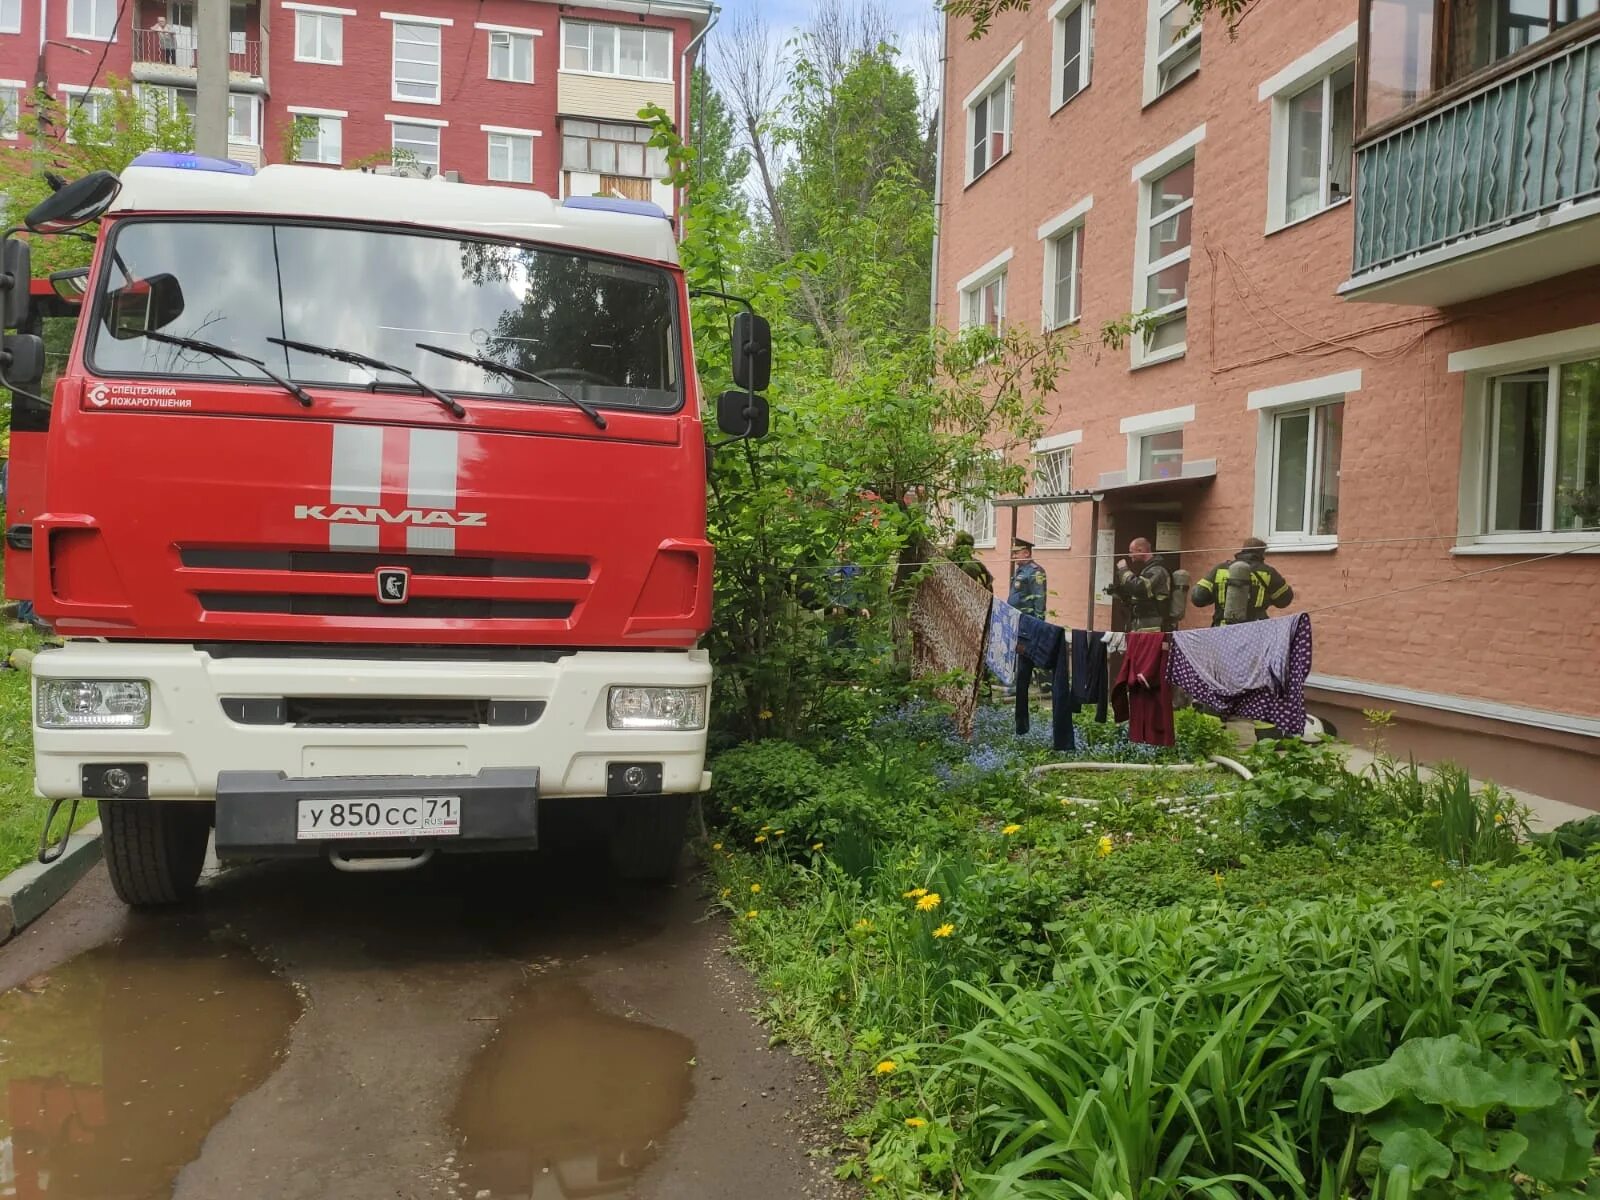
(22, 359)
(752, 352)
(743, 415)
(70, 285)
(16, 277)
(78, 203)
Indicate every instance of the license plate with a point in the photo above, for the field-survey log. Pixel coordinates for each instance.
(411, 816)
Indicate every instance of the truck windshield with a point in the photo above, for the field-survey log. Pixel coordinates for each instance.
(598, 328)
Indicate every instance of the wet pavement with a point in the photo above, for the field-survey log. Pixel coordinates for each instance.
(495, 1029)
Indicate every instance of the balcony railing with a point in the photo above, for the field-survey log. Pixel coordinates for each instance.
(176, 47)
(1521, 147)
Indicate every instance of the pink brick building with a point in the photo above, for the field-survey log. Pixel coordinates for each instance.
(519, 92)
(1378, 337)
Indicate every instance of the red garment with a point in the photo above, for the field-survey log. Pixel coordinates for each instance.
(1141, 695)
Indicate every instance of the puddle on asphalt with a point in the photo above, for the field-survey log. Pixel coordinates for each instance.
(116, 1064)
(567, 1101)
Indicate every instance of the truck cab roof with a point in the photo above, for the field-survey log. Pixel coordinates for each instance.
(188, 184)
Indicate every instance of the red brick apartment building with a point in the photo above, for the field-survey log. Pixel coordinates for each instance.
(517, 92)
(1368, 231)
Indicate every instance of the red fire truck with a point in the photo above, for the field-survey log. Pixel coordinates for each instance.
(371, 512)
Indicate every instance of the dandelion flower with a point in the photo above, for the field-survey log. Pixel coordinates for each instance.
(755, 889)
(915, 1122)
(1011, 830)
(1104, 848)
(816, 845)
(760, 837)
(1438, 883)
(766, 714)
(726, 892)
(1216, 877)
(944, 930)
(1499, 818)
(914, 894)
(716, 845)
(929, 902)
(863, 923)
(751, 915)
(777, 833)
(887, 1067)
(766, 829)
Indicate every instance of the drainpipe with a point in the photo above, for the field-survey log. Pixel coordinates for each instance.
(684, 93)
(938, 166)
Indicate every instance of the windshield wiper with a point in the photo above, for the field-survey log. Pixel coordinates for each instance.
(357, 359)
(227, 355)
(522, 373)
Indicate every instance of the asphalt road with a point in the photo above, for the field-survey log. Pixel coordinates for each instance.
(524, 1028)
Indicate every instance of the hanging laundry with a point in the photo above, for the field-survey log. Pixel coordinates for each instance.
(949, 619)
(1142, 696)
(1000, 650)
(1045, 647)
(1256, 670)
(1089, 671)
(1116, 643)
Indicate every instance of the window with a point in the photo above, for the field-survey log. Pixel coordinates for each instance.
(975, 517)
(321, 139)
(631, 51)
(1064, 270)
(1318, 132)
(1306, 445)
(1161, 455)
(989, 126)
(85, 110)
(10, 110)
(1543, 450)
(511, 157)
(94, 19)
(417, 145)
(984, 304)
(242, 122)
(1074, 46)
(510, 56)
(1168, 203)
(318, 38)
(599, 148)
(10, 16)
(416, 62)
(1052, 476)
(1175, 48)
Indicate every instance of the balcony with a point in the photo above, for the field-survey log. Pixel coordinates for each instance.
(169, 56)
(1490, 184)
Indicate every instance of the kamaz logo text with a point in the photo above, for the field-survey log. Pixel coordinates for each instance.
(362, 514)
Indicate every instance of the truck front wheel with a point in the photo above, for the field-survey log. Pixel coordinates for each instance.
(647, 838)
(154, 849)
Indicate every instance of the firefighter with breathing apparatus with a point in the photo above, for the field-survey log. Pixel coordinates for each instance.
(1243, 589)
(1155, 597)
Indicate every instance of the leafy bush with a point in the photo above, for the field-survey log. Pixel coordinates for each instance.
(1574, 839)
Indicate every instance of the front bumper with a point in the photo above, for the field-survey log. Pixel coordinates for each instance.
(192, 739)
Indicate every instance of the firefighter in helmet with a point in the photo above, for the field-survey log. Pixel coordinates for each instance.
(1145, 585)
(1244, 588)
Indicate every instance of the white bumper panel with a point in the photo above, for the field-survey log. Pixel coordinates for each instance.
(190, 738)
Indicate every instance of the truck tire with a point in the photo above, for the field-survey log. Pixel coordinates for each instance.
(154, 849)
(647, 839)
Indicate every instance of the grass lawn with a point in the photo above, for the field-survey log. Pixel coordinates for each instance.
(21, 812)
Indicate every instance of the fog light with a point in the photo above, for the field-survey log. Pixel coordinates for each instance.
(657, 708)
(117, 781)
(93, 704)
(634, 777)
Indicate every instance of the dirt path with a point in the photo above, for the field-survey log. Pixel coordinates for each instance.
(485, 1029)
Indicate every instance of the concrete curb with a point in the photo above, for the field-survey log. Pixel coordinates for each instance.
(28, 892)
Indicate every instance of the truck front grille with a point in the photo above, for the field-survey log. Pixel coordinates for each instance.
(419, 608)
(337, 562)
(381, 712)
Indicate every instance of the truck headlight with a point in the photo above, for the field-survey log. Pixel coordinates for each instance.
(93, 704)
(669, 708)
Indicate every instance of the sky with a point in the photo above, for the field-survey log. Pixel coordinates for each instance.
(790, 13)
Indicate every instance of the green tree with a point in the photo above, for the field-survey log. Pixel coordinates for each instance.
(983, 12)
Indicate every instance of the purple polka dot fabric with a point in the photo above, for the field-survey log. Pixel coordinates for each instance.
(1282, 704)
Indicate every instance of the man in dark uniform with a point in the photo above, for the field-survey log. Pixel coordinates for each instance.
(1268, 589)
(1145, 586)
(1029, 591)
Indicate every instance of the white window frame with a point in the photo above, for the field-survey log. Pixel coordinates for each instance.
(1069, 224)
(1317, 67)
(514, 34)
(1482, 366)
(72, 99)
(616, 51)
(78, 33)
(438, 128)
(1001, 80)
(1158, 60)
(1137, 428)
(324, 117)
(1270, 404)
(9, 130)
(319, 14)
(508, 133)
(980, 519)
(1060, 448)
(995, 270)
(253, 102)
(1060, 12)
(437, 24)
(1157, 166)
(16, 26)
